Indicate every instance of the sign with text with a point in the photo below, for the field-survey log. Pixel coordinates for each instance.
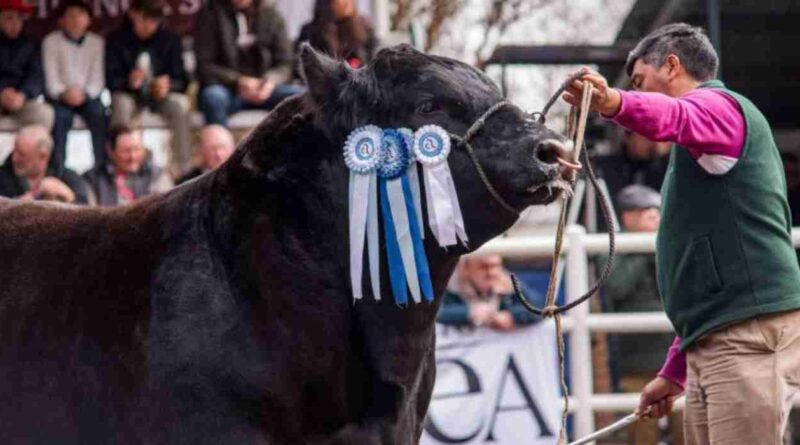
(495, 387)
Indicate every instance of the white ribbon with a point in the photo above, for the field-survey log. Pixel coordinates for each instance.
(359, 202)
(373, 238)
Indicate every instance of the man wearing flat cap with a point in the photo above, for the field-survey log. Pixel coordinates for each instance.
(632, 287)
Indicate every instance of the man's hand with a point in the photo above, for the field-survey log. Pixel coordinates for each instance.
(481, 313)
(265, 90)
(53, 189)
(74, 97)
(159, 89)
(247, 88)
(657, 396)
(136, 79)
(502, 321)
(11, 99)
(605, 100)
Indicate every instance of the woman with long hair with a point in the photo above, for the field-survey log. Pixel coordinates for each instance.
(340, 31)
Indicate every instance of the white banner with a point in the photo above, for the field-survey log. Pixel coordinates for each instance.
(495, 388)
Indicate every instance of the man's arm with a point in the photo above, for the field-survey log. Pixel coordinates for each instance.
(33, 85)
(54, 86)
(705, 120)
(280, 46)
(206, 48)
(674, 368)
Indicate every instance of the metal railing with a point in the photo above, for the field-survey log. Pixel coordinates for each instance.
(578, 246)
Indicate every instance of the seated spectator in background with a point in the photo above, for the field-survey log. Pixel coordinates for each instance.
(21, 76)
(244, 58)
(338, 30)
(129, 174)
(144, 69)
(631, 287)
(641, 161)
(216, 146)
(481, 294)
(74, 78)
(26, 174)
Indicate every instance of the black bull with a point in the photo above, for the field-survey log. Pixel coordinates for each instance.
(221, 312)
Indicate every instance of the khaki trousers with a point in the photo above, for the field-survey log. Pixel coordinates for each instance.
(740, 381)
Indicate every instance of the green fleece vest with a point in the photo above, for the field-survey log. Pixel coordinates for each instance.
(724, 249)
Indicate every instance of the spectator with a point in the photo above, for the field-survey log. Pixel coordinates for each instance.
(74, 75)
(144, 69)
(632, 287)
(481, 294)
(21, 77)
(338, 30)
(128, 175)
(216, 146)
(27, 175)
(641, 161)
(244, 58)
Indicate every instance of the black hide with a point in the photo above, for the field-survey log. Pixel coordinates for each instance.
(221, 312)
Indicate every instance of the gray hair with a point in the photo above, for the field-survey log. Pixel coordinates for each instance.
(40, 137)
(689, 43)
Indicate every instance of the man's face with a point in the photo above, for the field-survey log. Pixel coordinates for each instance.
(11, 23)
(241, 4)
(27, 159)
(641, 220)
(128, 154)
(143, 26)
(75, 22)
(216, 147)
(343, 8)
(485, 273)
(650, 78)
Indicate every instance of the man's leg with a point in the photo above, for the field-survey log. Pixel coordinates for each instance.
(282, 92)
(34, 112)
(695, 414)
(61, 127)
(175, 109)
(747, 374)
(216, 101)
(123, 109)
(94, 113)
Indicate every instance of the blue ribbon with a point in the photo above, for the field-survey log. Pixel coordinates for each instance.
(397, 274)
(423, 271)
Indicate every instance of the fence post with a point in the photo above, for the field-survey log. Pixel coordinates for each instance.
(580, 346)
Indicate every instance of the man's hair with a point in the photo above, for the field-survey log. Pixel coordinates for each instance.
(689, 43)
(116, 131)
(67, 4)
(154, 9)
(40, 135)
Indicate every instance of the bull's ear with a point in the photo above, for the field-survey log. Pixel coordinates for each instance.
(322, 74)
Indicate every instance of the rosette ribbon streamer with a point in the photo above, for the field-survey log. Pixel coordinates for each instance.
(431, 148)
(407, 262)
(362, 155)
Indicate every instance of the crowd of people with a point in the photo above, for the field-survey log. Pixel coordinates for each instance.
(245, 60)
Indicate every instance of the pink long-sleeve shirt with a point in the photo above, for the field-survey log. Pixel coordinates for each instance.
(710, 124)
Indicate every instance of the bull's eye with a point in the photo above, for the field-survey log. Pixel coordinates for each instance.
(426, 107)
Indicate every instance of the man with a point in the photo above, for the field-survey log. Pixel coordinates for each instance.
(727, 272)
(144, 68)
(128, 175)
(74, 71)
(640, 161)
(481, 294)
(244, 58)
(632, 287)
(21, 77)
(216, 146)
(26, 175)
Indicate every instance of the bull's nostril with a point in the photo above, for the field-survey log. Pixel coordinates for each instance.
(550, 151)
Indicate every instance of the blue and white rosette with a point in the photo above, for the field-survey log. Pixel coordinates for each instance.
(431, 148)
(413, 177)
(363, 155)
(407, 262)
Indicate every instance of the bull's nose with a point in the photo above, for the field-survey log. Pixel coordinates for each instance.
(555, 152)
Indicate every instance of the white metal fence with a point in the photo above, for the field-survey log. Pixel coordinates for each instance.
(578, 246)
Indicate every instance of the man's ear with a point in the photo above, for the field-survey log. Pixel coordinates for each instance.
(323, 75)
(673, 63)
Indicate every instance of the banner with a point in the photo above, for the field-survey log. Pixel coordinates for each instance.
(498, 388)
